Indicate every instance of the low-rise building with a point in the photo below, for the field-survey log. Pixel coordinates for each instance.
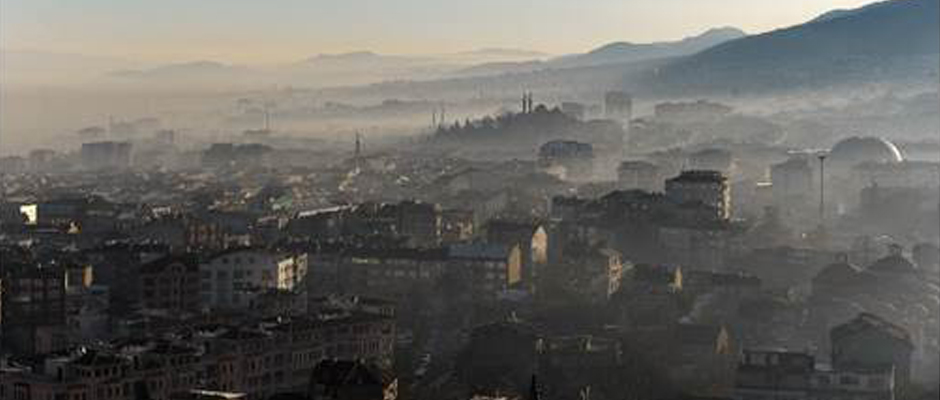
(569, 159)
(352, 380)
(764, 375)
(870, 342)
(639, 175)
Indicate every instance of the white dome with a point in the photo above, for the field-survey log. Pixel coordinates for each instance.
(856, 150)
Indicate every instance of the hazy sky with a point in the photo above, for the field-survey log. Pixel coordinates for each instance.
(261, 31)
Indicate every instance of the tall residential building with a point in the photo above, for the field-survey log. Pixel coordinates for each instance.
(792, 180)
(33, 300)
(709, 188)
(618, 106)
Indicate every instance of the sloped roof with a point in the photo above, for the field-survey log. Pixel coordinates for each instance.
(838, 273)
(894, 263)
(156, 266)
(336, 373)
(866, 321)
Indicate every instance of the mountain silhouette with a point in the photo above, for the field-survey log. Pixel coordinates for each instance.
(612, 53)
(898, 39)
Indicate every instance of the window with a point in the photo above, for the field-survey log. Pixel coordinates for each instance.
(848, 380)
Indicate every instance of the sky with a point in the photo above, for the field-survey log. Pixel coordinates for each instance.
(271, 31)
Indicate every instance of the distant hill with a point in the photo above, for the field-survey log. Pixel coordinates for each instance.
(194, 74)
(898, 39)
(22, 67)
(612, 53)
(187, 69)
(842, 12)
(621, 52)
(503, 53)
(505, 67)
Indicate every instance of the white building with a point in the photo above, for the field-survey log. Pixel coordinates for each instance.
(233, 278)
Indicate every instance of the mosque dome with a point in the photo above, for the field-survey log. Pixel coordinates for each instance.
(857, 149)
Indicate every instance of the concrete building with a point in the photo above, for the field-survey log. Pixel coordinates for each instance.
(41, 160)
(103, 374)
(906, 174)
(713, 159)
(106, 155)
(530, 236)
(574, 110)
(251, 360)
(568, 159)
(618, 105)
(650, 296)
(486, 269)
(793, 186)
(419, 222)
(492, 268)
(871, 342)
(709, 188)
(170, 283)
(598, 272)
(351, 380)
(232, 278)
(500, 357)
(34, 308)
(765, 375)
(641, 175)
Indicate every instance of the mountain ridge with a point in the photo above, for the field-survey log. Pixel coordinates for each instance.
(876, 41)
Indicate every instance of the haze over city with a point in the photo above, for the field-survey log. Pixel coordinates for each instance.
(477, 200)
(249, 32)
